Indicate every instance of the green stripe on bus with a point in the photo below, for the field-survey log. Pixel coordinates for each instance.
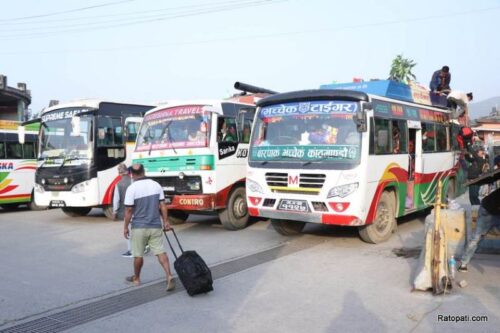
(16, 200)
(177, 163)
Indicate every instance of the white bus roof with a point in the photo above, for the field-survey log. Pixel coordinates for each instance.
(215, 103)
(89, 102)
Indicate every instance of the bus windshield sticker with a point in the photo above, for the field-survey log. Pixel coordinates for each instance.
(306, 153)
(176, 127)
(313, 107)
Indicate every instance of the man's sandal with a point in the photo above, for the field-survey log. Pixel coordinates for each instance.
(170, 284)
(133, 279)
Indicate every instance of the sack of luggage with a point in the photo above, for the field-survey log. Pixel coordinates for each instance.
(192, 270)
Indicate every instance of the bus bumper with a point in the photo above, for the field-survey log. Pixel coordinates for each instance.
(88, 197)
(193, 202)
(323, 218)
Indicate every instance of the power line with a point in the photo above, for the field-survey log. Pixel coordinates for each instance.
(212, 3)
(66, 11)
(261, 36)
(213, 6)
(136, 21)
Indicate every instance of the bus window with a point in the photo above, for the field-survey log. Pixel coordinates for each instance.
(226, 130)
(29, 150)
(399, 137)
(14, 150)
(132, 129)
(381, 139)
(441, 138)
(428, 137)
(247, 127)
(109, 131)
(2, 150)
(454, 134)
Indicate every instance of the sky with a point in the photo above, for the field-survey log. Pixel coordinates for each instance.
(147, 51)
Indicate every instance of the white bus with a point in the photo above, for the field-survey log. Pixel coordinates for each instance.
(81, 143)
(17, 165)
(197, 151)
(347, 158)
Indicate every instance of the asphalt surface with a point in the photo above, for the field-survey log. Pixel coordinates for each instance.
(323, 281)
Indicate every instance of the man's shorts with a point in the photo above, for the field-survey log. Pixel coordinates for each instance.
(146, 236)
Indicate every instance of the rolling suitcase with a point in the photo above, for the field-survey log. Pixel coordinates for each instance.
(191, 269)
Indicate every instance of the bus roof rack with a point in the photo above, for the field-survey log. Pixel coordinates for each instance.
(314, 95)
(413, 92)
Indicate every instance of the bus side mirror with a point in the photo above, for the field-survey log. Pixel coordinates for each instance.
(75, 126)
(360, 117)
(21, 134)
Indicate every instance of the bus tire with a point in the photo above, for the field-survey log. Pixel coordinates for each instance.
(288, 228)
(33, 206)
(385, 221)
(108, 211)
(177, 216)
(9, 207)
(76, 211)
(235, 215)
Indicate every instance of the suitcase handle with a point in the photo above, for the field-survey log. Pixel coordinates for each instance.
(170, 244)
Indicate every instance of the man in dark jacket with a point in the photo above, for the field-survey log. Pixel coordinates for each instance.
(441, 80)
(477, 160)
(488, 217)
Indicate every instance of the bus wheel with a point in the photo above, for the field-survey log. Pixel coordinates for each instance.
(76, 211)
(235, 215)
(384, 224)
(177, 216)
(9, 207)
(108, 211)
(287, 228)
(33, 206)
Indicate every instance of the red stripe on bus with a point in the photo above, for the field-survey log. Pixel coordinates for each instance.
(337, 219)
(26, 168)
(252, 211)
(221, 196)
(8, 189)
(15, 196)
(108, 196)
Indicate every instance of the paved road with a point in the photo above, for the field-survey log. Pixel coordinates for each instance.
(326, 280)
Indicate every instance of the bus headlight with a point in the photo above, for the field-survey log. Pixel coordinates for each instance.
(194, 185)
(342, 190)
(39, 188)
(78, 188)
(254, 186)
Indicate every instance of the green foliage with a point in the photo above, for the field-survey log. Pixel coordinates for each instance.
(401, 69)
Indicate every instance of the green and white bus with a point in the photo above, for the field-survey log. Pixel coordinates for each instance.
(17, 165)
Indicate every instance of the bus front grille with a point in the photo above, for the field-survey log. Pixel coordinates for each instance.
(309, 183)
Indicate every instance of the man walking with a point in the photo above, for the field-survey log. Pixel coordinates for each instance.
(488, 217)
(142, 200)
(475, 169)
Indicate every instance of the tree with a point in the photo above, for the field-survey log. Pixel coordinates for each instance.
(401, 69)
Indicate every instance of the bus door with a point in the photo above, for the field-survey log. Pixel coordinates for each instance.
(414, 162)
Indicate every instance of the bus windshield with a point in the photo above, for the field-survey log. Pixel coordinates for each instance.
(307, 132)
(61, 144)
(176, 127)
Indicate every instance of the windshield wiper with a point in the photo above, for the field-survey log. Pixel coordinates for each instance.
(72, 158)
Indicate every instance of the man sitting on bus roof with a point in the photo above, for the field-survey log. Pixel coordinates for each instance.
(440, 81)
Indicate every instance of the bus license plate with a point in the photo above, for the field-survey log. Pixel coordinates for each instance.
(57, 203)
(293, 205)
